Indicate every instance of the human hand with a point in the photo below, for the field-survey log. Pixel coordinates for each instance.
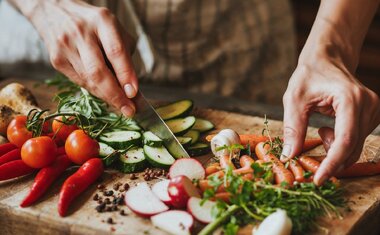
(329, 88)
(81, 40)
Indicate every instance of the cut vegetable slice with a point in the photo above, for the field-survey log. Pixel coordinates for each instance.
(121, 139)
(151, 139)
(189, 167)
(132, 161)
(105, 150)
(158, 156)
(180, 189)
(185, 141)
(201, 212)
(194, 135)
(198, 149)
(143, 201)
(203, 125)
(174, 221)
(160, 189)
(180, 126)
(177, 109)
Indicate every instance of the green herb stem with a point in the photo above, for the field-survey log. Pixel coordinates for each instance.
(211, 227)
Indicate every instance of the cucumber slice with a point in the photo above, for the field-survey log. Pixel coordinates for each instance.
(108, 154)
(177, 109)
(185, 141)
(158, 157)
(105, 150)
(194, 135)
(198, 149)
(181, 125)
(202, 125)
(151, 139)
(121, 139)
(132, 161)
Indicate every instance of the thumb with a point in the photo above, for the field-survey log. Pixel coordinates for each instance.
(327, 136)
(295, 124)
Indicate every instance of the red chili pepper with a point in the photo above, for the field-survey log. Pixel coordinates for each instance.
(79, 182)
(45, 177)
(14, 169)
(61, 151)
(5, 148)
(12, 155)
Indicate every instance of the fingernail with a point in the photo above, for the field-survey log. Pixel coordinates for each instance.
(286, 149)
(129, 91)
(320, 180)
(127, 111)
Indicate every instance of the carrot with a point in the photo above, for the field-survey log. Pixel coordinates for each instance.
(204, 185)
(309, 144)
(281, 174)
(212, 168)
(360, 169)
(309, 163)
(226, 161)
(225, 196)
(297, 170)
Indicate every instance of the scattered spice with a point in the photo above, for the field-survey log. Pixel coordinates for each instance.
(110, 220)
(96, 197)
(133, 177)
(126, 186)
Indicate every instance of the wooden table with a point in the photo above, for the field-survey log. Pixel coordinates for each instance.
(363, 193)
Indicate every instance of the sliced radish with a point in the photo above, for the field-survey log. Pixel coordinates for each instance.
(174, 222)
(200, 212)
(180, 190)
(143, 201)
(160, 189)
(277, 223)
(188, 167)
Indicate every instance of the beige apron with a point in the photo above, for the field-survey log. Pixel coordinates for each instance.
(240, 48)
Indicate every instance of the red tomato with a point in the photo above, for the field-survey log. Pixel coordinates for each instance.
(80, 147)
(62, 130)
(39, 152)
(17, 133)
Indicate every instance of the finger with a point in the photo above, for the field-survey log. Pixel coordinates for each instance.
(119, 55)
(327, 136)
(346, 137)
(295, 125)
(100, 79)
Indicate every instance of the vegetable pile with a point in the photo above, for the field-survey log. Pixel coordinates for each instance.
(241, 187)
(84, 133)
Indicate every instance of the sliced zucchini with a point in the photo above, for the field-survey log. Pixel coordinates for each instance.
(181, 125)
(202, 125)
(185, 141)
(108, 154)
(151, 139)
(174, 110)
(194, 135)
(132, 161)
(121, 139)
(198, 149)
(158, 157)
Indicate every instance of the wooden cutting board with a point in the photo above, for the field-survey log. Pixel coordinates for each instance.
(363, 194)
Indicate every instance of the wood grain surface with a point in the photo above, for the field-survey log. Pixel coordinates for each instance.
(363, 194)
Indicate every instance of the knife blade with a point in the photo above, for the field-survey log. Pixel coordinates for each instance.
(149, 119)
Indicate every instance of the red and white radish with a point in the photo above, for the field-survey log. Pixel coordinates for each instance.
(180, 190)
(160, 189)
(143, 201)
(174, 222)
(200, 212)
(188, 167)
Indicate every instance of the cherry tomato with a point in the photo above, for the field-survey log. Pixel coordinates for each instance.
(80, 147)
(17, 133)
(39, 152)
(62, 130)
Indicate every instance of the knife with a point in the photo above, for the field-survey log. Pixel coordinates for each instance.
(149, 119)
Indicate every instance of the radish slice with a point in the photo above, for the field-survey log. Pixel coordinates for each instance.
(180, 190)
(174, 222)
(200, 212)
(226, 137)
(143, 201)
(160, 189)
(277, 223)
(189, 167)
